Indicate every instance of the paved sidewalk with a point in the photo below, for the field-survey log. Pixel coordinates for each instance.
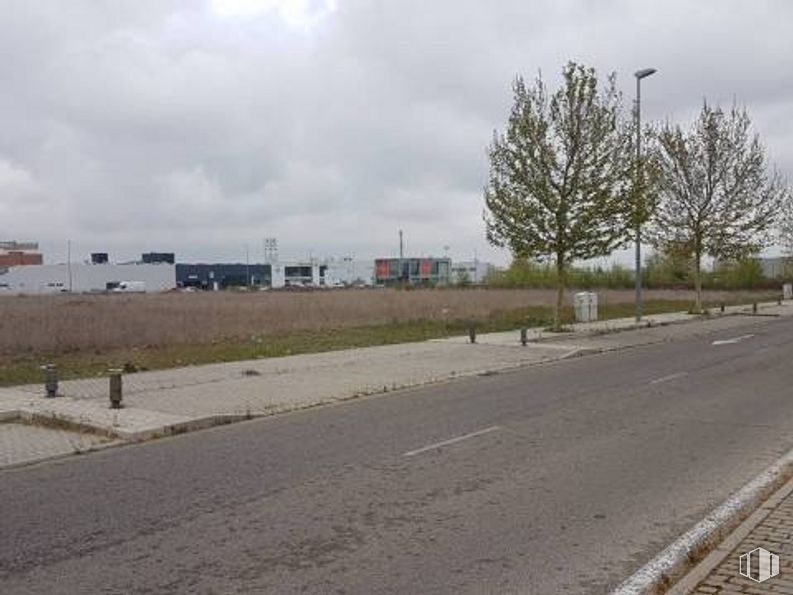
(771, 528)
(172, 401)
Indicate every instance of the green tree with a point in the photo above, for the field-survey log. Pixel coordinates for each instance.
(560, 174)
(786, 226)
(717, 196)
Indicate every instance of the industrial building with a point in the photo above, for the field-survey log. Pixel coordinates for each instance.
(158, 271)
(328, 273)
(426, 272)
(20, 254)
(471, 271)
(222, 276)
(158, 258)
(85, 278)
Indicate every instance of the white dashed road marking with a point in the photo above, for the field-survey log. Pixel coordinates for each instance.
(669, 377)
(731, 341)
(451, 441)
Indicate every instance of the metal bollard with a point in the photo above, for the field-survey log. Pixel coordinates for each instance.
(50, 380)
(524, 337)
(115, 388)
(472, 334)
(722, 307)
(754, 307)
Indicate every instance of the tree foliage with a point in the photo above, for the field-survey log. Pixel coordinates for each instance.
(717, 196)
(786, 225)
(560, 174)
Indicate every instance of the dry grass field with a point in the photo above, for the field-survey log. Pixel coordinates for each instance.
(67, 324)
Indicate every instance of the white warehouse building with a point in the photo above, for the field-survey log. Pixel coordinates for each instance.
(86, 278)
(471, 271)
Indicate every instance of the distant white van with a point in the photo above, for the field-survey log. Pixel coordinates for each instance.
(130, 287)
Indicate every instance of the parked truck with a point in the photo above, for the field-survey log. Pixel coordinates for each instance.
(130, 287)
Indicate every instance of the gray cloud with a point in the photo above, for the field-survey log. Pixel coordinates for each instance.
(195, 127)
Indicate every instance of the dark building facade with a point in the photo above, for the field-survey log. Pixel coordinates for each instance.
(158, 258)
(205, 276)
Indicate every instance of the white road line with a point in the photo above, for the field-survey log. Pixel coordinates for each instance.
(451, 441)
(669, 377)
(732, 341)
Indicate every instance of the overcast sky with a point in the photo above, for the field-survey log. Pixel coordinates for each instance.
(200, 127)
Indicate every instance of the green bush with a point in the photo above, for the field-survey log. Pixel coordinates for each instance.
(661, 271)
(741, 274)
(526, 273)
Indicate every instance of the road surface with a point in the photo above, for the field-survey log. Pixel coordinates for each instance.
(561, 478)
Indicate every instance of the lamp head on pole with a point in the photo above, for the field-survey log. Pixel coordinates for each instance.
(640, 74)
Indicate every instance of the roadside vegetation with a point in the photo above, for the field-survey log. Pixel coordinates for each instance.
(661, 271)
(86, 335)
(566, 185)
(560, 187)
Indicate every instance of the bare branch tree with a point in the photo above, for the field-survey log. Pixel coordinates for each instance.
(717, 196)
(560, 184)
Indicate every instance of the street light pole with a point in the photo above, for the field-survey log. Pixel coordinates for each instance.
(247, 267)
(639, 74)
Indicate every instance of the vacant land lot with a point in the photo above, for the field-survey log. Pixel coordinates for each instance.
(88, 333)
(68, 323)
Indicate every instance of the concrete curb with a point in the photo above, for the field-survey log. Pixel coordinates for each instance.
(9, 415)
(60, 456)
(193, 425)
(53, 421)
(701, 571)
(672, 564)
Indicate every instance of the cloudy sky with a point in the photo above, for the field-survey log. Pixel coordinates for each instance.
(204, 126)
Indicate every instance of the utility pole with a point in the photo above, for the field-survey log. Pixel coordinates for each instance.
(639, 74)
(401, 258)
(69, 262)
(247, 267)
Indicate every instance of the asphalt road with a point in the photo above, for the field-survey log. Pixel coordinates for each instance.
(562, 478)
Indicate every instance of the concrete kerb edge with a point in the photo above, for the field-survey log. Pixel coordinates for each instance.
(670, 566)
(59, 456)
(61, 421)
(9, 415)
(53, 420)
(372, 391)
(201, 423)
(720, 553)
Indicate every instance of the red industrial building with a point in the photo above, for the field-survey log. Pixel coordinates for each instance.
(13, 254)
(428, 272)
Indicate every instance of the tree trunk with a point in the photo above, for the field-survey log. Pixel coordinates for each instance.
(560, 286)
(698, 283)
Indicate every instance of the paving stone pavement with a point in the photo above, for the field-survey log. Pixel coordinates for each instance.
(775, 534)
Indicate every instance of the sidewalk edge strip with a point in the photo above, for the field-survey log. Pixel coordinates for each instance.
(702, 570)
(660, 573)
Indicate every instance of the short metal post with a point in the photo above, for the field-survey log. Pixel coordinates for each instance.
(524, 336)
(115, 388)
(722, 307)
(50, 380)
(754, 307)
(472, 334)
